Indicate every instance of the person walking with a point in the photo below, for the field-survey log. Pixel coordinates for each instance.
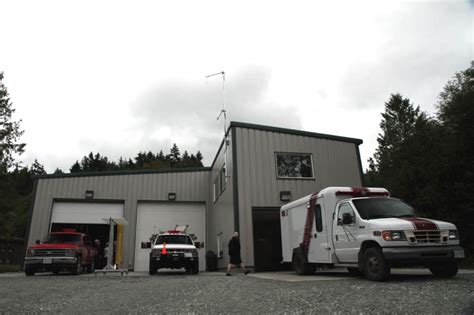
(234, 253)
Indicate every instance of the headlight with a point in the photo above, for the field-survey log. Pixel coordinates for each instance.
(70, 252)
(393, 236)
(453, 235)
(30, 252)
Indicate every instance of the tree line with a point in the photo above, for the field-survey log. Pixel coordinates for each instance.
(428, 161)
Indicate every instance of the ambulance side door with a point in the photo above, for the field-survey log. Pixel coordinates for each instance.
(346, 234)
(319, 247)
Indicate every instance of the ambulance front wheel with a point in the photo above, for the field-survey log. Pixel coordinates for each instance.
(375, 267)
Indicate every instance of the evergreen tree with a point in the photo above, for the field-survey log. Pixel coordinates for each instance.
(10, 131)
(37, 168)
(75, 168)
(174, 156)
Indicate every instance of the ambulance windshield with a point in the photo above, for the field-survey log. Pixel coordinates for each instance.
(377, 208)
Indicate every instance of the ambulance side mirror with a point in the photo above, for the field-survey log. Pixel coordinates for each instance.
(347, 218)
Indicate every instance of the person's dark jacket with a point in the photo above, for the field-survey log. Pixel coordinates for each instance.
(234, 247)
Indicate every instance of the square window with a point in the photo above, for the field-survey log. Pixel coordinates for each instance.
(294, 165)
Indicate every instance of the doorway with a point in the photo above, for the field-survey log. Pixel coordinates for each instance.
(267, 239)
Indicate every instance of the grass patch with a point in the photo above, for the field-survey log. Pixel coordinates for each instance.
(9, 268)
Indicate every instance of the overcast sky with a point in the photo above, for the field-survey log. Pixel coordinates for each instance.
(120, 77)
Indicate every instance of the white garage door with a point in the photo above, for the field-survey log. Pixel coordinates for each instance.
(85, 212)
(153, 217)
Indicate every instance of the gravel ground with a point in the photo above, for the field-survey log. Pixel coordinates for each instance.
(215, 293)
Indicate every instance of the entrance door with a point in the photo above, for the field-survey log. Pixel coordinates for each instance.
(267, 239)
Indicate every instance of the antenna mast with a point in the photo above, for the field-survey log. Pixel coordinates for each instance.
(223, 111)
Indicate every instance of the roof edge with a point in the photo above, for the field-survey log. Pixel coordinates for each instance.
(126, 172)
(295, 132)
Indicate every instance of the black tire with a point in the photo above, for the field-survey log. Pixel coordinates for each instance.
(355, 272)
(375, 267)
(91, 266)
(300, 264)
(446, 270)
(77, 269)
(152, 268)
(195, 268)
(29, 271)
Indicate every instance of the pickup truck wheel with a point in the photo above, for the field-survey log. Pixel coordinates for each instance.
(29, 271)
(376, 268)
(300, 265)
(77, 266)
(446, 270)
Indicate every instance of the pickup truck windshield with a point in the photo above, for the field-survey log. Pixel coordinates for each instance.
(174, 239)
(377, 208)
(63, 238)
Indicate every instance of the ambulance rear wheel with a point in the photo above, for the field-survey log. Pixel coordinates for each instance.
(300, 265)
(375, 267)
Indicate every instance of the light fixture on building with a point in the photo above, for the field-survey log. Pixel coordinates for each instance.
(172, 196)
(285, 196)
(89, 194)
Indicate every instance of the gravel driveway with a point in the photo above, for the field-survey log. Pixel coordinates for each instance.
(177, 292)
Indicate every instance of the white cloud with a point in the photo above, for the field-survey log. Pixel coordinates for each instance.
(118, 77)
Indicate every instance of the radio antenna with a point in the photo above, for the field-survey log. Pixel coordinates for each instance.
(223, 111)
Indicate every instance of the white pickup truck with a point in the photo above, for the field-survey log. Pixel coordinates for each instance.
(366, 231)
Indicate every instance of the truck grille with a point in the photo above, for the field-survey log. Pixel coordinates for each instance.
(425, 237)
(50, 252)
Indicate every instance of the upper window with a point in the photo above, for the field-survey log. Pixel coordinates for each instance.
(294, 165)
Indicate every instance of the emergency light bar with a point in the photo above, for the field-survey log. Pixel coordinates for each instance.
(362, 192)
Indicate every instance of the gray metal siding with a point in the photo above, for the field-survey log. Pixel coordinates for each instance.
(129, 188)
(220, 218)
(335, 163)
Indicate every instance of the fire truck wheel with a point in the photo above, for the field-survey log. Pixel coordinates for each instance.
(446, 270)
(29, 271)
(374, 264)
(77, 266)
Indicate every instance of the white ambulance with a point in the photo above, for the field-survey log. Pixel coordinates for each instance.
(366, 231)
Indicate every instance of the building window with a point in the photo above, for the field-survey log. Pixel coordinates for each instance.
(216, 188)
(294, 165)
(223, 179)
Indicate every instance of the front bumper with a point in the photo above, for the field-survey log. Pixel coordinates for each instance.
(50, 262)
(422, 255)
(174, 261)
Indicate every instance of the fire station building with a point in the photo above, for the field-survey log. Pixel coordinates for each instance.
(255, 171)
